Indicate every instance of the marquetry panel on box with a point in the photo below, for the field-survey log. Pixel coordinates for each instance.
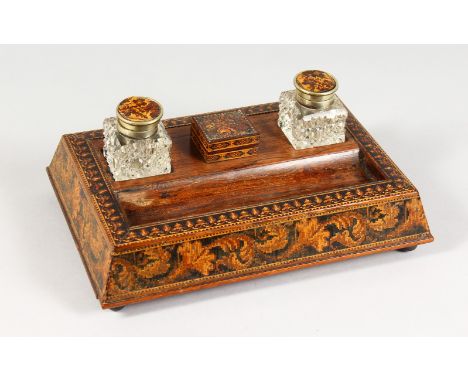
(224, 135)
(307, 240)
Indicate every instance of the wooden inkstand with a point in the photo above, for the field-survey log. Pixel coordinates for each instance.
(272, 210)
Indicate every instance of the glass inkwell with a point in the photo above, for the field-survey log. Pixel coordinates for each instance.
(312, 115)
(136, 144)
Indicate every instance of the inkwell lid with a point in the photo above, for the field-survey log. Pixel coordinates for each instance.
(138, 117)
(315, 88)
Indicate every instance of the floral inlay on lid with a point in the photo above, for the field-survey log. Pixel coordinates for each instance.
(224, 126)
(139, 109)
(315, 81)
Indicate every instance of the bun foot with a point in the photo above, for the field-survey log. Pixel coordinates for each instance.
(408, 249)
(117, 308)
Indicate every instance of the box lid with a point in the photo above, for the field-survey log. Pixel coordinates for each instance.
(224, 131)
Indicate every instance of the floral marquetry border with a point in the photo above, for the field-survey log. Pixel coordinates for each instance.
(397, 186)
(81, 217)
(310, 239)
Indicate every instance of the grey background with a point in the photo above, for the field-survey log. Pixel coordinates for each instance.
(411, 98)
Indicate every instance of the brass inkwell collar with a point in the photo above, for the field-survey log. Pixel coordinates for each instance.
(315, 88)
(138, 117)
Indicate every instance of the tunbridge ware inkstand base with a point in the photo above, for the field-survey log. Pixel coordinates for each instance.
(206, 224)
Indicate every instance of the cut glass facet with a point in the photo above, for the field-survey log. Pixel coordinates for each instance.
(137, 158)
(305, 127)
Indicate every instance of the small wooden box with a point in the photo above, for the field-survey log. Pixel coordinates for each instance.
(205, 225)
(224, 135)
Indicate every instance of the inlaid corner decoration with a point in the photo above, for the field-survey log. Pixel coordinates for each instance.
(85, 227)
(121, 234)
(305, 240)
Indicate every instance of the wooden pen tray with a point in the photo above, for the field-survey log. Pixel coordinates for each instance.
(207, 224)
